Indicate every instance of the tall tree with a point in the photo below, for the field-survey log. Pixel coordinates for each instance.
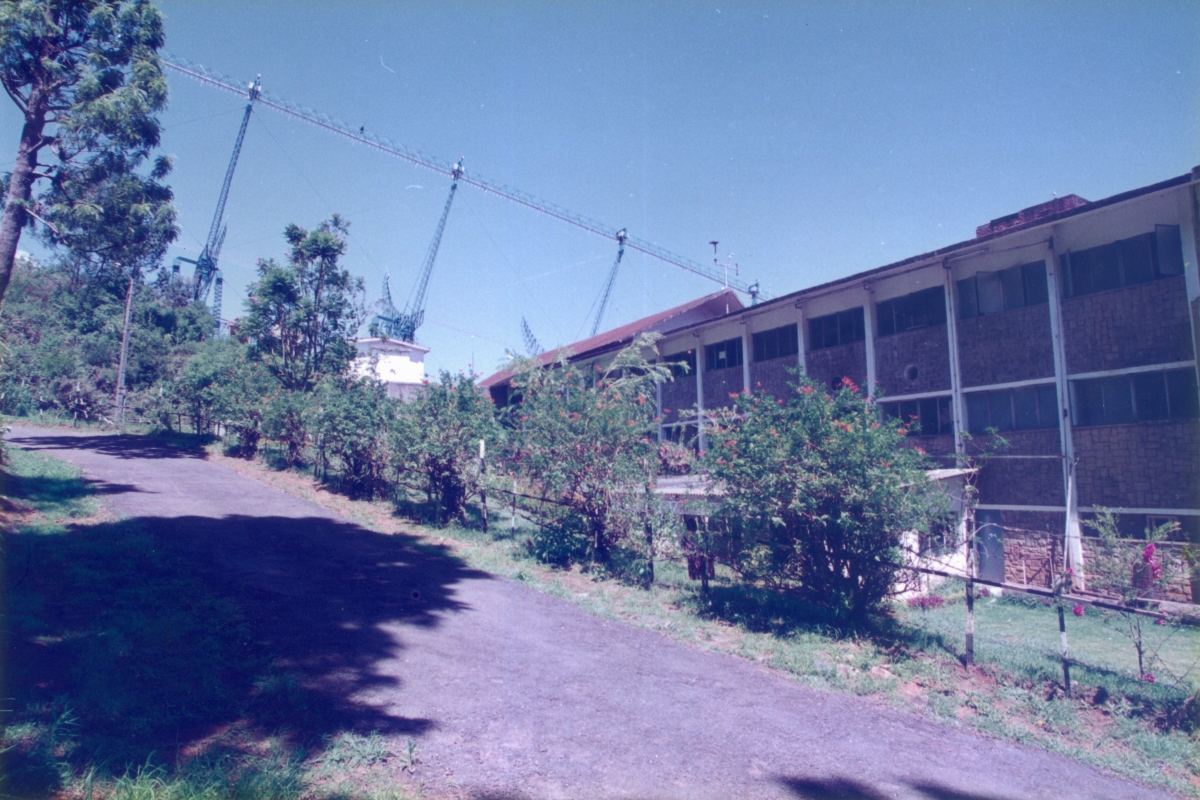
(302, 313)
(86, 77)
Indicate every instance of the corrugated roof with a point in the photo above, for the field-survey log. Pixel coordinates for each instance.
(623, 335)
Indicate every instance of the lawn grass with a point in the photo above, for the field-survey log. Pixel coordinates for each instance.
(114, 654)
(910, 660)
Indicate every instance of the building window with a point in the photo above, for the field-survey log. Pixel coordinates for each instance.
(776, 343)
(1020, 409)
(682, 363)
(723, 355)
(841, 328)
(993, 292)
(1140, 397)
(1124, 263)
(917, 310)
(928, 417)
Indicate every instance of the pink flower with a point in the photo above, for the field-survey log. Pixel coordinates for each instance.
(1160, 622)
(1148, 553)
(1148, 678)
(1078, 610)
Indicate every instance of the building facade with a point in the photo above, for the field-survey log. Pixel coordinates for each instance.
(1069, 327)
(399, 365)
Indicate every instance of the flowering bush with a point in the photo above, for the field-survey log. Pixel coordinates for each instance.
(927, 601)
(817, 491)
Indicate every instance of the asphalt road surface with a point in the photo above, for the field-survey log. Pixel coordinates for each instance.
(510, 693)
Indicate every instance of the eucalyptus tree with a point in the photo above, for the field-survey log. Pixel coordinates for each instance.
(86, 78)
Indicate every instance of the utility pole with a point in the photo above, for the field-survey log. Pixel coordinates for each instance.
(120, 412)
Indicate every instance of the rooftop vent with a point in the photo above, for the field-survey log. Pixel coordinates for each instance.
(1032, 214)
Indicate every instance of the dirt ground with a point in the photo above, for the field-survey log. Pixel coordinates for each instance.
(510, 693)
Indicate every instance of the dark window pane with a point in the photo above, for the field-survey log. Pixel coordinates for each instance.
(967, 305)
(759, 343)
(789, 343)
(1105, 266)
(1035, 283)
(885, 314)
(945, 418)
(1181, 391)
(930, 421)
(846, 327)
(1025, 406)
(1118, 399)
(1087, 403)
(860, 324)
(910, 415)
(977, 412)
(934, 301)
(1047, 406)
(991, 293)
(1137, 259)
(1170, 250)
(816, 334)
(1150, 395)
(1013, 285)
(1000, 404)
(1080, 273)
(831, 331)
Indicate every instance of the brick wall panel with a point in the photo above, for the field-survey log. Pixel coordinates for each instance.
(1130, 327)
(1013, 346)
(926, 348)
(774, 376)
(678, 396)
(831, 364)
(1146, 465)
(719, 385)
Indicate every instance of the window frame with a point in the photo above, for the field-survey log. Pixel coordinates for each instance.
(731, 348)
(855, 319)
(911, 307)
(1104, 400)
(1081, 269)
(784, 341)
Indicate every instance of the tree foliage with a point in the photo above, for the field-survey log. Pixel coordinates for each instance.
(302, 314)
(818, 491)
(61, 345)
(584, 443)
(436, 439)
(86, 78)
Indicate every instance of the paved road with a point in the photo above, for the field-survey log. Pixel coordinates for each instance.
(514, 694)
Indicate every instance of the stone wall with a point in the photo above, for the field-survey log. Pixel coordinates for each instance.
(1007, 479)
(719, 385)
(1033, 545)
(678, 396)
(831, 364)
(774, 376)
(926, 349)
(1141, 465)
(1130, 327)
(1012, 346)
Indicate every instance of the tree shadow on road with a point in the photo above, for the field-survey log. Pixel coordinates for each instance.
(851, 789)
(117, 445)
(159, 639)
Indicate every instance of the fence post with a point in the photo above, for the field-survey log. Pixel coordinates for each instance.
(483, 484)
(969, 654)
(1062, 636)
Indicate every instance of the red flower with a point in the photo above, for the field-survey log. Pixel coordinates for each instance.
(1078, 610)
(1148, 678)
(1148, 553)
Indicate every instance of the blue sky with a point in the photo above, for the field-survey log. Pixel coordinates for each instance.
(813, 140)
